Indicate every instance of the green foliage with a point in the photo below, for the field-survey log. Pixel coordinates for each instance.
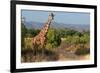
(75, 39)
(68, 39)
(71, 32)
(32, 32)
(53, 39)
(48, 45)
(28, 43)
(23, 34)
(67, 32)
(85, 38)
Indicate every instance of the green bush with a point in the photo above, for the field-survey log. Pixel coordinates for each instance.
(53, 39)
(85, 38)
(32, 32)
(75, 39)
(68, 39)
(28, 43)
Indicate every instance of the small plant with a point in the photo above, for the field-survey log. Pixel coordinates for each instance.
(82, 50)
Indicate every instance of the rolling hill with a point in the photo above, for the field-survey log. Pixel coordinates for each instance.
(39, 25)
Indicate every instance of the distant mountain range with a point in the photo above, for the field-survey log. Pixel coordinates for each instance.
(39, 25)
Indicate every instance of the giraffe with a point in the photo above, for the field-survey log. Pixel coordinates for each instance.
(40, 39)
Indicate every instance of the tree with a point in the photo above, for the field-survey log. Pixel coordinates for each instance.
(32, 32)
(23, 34)
(85, 38)
(53, 39)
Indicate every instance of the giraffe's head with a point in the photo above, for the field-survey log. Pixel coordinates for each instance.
(51, 16)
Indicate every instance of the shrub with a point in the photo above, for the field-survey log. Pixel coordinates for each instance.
(75, 39)
(68, 39)
(82, 50)
(53, 39)
(85, 38)
(28, 43)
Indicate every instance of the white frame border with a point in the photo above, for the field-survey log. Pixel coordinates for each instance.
(20, 65)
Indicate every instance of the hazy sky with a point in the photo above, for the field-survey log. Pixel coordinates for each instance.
(60, 17)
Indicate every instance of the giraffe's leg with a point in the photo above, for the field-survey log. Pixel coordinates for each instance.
(42, 48)
(34, 49)
(34, 46)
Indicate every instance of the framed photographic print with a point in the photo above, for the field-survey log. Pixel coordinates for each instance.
(52, 36)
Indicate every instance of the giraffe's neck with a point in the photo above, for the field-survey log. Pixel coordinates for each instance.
(44, 30)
